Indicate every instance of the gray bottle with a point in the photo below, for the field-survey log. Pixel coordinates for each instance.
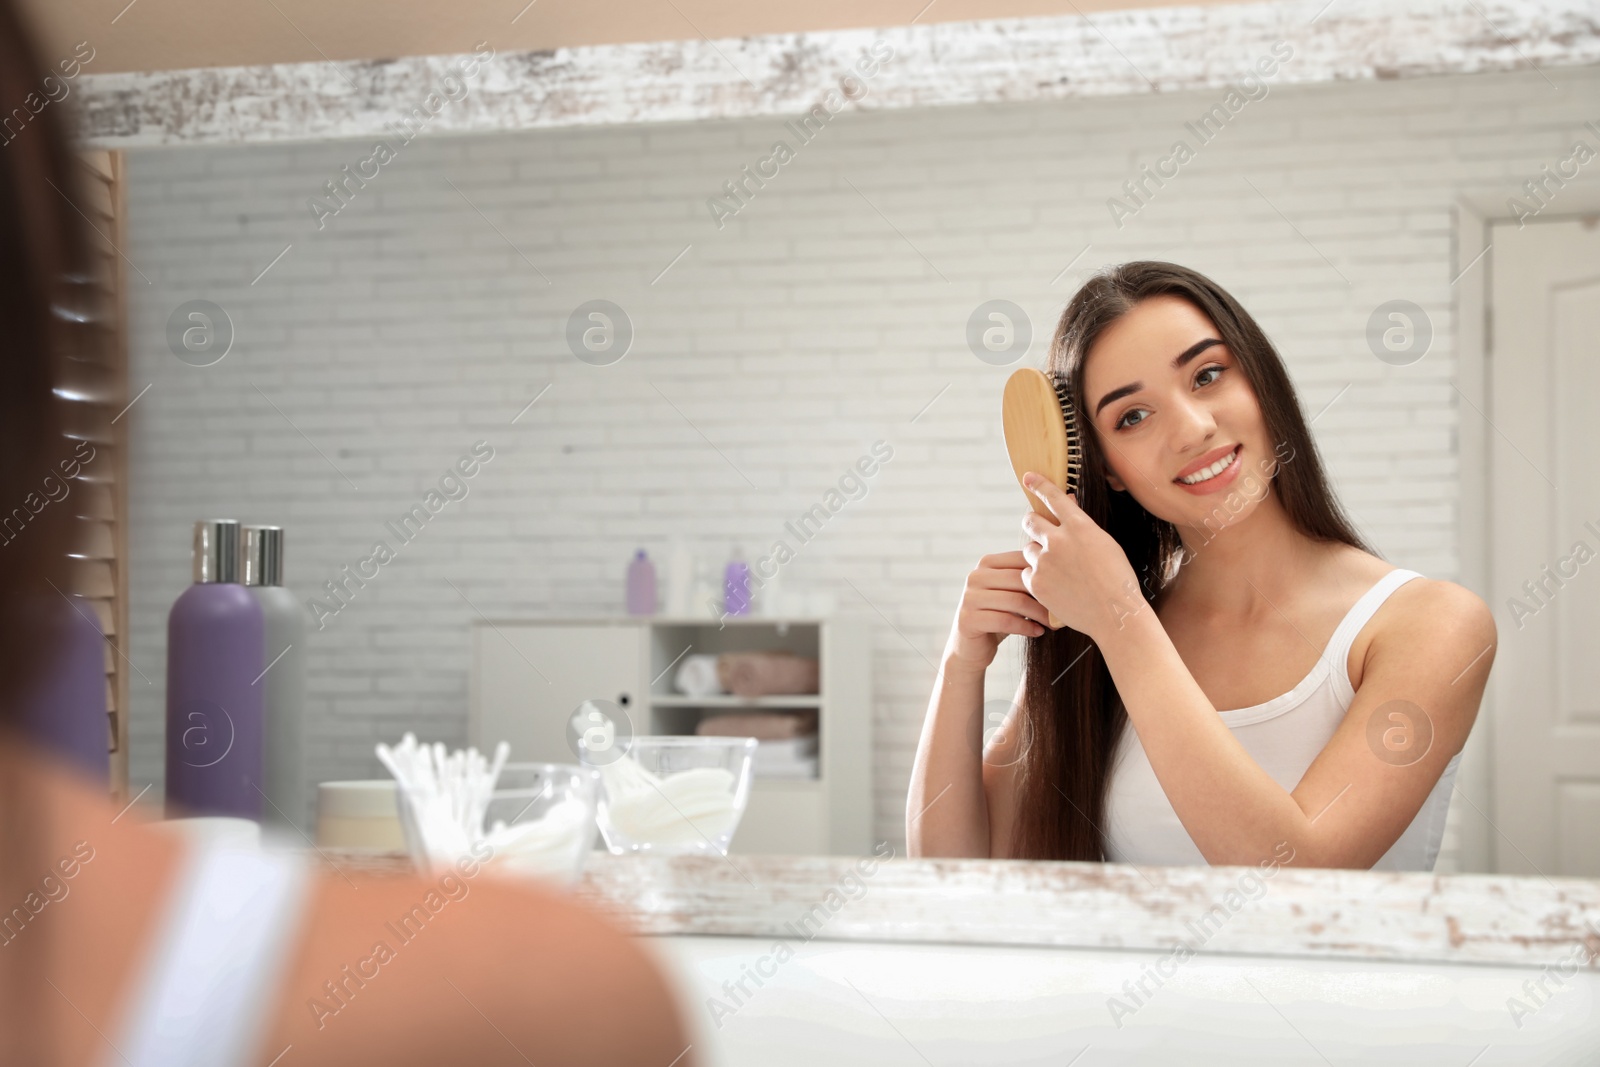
(284, 680)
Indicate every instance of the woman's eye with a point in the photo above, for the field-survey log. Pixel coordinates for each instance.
(1123, 422)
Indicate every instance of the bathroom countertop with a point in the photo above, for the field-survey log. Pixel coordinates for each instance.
(1401, 916)
(1505, 920)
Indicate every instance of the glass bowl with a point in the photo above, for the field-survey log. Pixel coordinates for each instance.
(673, 796)
(541, 819)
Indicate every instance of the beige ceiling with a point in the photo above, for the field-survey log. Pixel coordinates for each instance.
(174, 34)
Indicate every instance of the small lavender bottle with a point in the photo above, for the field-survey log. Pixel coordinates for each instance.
(736, 586)
(641, 585)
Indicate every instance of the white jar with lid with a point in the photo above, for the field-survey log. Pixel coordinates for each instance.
(359, 814)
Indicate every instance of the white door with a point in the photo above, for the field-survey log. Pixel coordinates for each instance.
(1544, 493)
(529, 678)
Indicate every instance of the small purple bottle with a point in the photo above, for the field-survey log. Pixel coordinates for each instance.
(216, 650)
(736, 586)
(66, 710)
(641, 585)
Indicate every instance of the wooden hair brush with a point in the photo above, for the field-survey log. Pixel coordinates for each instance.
(1042, 435)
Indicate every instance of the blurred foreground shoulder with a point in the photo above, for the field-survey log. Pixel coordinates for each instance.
(481, 970)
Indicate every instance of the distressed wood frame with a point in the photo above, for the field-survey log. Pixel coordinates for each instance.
(993, 61)
(1410, 917)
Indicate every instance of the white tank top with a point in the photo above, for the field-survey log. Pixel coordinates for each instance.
(211, 975)
(1283, 735)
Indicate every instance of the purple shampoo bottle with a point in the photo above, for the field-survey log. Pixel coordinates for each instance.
(216, 646)
(66, 710)
(641, 585)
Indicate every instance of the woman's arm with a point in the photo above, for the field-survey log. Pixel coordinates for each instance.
(947, 810)
(995, 801)
(982, 826)
(1428, 660)
(1002, 767)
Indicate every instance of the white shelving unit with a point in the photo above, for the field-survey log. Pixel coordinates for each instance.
(529, 675)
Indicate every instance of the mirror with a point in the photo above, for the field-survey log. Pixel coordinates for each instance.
(739, 325)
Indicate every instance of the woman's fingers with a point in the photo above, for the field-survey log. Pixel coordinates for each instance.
(994, 602)
(1005, 577)
(1019, 603)
(995, 591)
(1015, 603)
(1005, 622)
(1010, 582)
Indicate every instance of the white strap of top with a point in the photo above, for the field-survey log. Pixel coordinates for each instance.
(216, 962)
(1363, 610)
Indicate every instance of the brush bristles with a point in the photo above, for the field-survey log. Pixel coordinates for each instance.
(1069, 414)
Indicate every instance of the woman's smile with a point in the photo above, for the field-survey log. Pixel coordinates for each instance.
(1207, 478)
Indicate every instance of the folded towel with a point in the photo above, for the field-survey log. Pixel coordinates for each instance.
(697, 676)
(758, 674)
(762, 725)
(788, 750)
(789, 757)
(806, 768)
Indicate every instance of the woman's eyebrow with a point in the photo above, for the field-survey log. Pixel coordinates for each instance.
(1177, 363)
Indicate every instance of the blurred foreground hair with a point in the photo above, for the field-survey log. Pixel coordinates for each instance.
(50, 342)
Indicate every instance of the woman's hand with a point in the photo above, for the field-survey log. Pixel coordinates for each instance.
(1074, 568)
(995, 603)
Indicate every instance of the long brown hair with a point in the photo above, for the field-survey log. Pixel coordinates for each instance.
(45, 268)
(1071, 715)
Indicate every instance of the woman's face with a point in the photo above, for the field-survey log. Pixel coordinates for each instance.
(1168, 399)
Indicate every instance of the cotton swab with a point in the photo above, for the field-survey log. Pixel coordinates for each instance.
(444, 795)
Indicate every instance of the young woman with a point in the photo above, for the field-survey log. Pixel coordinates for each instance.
(121, 944)
(1292, 697)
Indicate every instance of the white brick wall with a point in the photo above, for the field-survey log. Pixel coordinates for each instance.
(809, 327)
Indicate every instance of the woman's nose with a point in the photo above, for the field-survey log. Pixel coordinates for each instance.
(1193, 425)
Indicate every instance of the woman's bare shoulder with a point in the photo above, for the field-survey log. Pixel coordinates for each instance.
(1423, 612)
(1440, 607)
(1356, 567)
(470, 967)
(1419, 597)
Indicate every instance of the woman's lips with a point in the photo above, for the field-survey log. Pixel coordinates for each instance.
(1221, 481)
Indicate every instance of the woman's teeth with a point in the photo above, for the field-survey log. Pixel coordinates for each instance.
(1212, 471)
